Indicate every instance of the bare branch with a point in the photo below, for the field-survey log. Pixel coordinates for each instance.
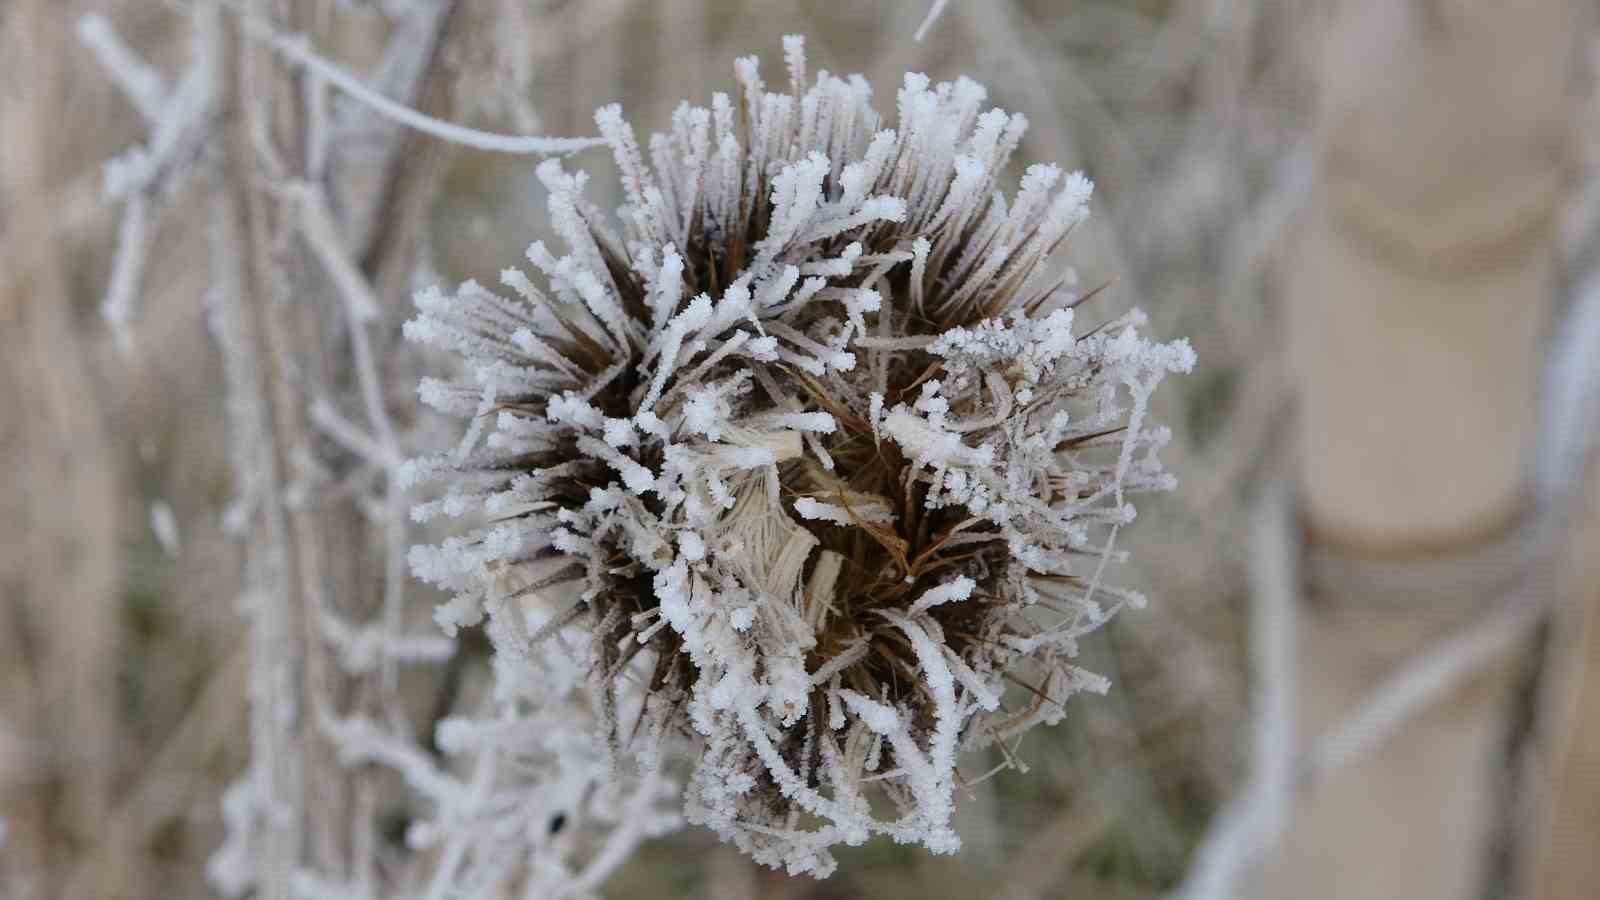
(296, 49)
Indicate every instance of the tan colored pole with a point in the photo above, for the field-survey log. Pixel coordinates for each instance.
(1418, 291)
(1562, 863)
(1562, 767)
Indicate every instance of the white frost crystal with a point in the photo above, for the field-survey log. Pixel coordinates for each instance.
(808, 462)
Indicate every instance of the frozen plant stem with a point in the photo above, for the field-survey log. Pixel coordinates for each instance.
(1247, 828)
(304, 339)
(297, 51)
(934, 11)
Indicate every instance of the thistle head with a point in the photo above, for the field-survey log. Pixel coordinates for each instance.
(804, 453)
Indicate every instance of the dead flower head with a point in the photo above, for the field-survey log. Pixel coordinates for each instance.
(809, 462)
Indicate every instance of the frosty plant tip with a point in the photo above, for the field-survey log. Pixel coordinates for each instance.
(808, 463)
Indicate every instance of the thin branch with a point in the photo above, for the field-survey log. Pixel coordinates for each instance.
(143, 85)
(933, 16)
(321, 233)
(1253, 821)
(127, 267)
(1424, 680)
(296, 50)
(348, 435)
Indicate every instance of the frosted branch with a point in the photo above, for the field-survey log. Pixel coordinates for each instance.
(143, 85)
(934, 13)
(1252, 822)
(297, 50)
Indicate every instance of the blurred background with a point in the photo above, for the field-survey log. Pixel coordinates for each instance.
(1364, 670)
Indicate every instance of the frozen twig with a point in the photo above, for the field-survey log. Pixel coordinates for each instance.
(349, 435)
(934, 13)
(127, 267)
(179, 129)
(143, 85)
(1425, 679)
(322, 235)
(296, 49)
(258, 850)
(1252, 822)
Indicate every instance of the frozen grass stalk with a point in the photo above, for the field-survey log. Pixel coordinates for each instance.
(801, 467)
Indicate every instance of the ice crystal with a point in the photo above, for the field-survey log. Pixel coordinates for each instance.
(810, 455)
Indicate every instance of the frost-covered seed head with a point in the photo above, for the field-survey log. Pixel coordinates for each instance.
(812, 448)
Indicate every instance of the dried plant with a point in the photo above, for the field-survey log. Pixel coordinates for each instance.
(308, 224)
(807, 469)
